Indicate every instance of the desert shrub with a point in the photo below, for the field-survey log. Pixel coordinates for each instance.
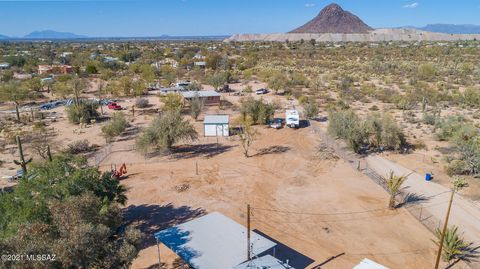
(457, 167)
(374, 108)
(426, 71)
(429, 118)
(446, 128)
(471, 97)
(376, 131)
(248, 89)
(78, 147)
(84, 112)
(141, 102)
(310, 109)
(383, 132)
(115, 126)
(346, 125)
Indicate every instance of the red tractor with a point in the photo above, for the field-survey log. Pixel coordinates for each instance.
(120, 172)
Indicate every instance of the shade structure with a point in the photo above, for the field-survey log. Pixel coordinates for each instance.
(213, 241)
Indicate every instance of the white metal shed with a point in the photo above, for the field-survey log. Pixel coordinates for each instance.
(216, 125)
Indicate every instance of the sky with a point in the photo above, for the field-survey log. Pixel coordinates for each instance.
(127, 18)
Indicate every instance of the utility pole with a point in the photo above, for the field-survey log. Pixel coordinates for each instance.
(445, 225)
(248, 232)
(458, 184)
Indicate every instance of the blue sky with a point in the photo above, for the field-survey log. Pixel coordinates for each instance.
(215, 17)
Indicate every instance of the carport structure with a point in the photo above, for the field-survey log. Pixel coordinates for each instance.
(213, 241)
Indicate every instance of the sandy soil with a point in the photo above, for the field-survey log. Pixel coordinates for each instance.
(287, 176)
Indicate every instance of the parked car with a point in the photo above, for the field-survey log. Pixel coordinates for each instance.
(114, 106)
(261, 91)
(276, 124)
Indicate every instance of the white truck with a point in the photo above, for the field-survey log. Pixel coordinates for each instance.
(292, 118)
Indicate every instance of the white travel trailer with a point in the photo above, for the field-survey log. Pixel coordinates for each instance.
(292, 118)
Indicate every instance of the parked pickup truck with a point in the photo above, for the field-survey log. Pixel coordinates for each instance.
(114, 106)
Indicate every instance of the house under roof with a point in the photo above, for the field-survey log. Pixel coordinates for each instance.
(213, 241)
(201, 94)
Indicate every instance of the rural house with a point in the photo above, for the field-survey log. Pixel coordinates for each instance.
(208, 97)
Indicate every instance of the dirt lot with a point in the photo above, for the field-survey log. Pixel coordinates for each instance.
(284, 178)
(317, 207)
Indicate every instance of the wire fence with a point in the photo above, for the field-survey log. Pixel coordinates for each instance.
(411, 202)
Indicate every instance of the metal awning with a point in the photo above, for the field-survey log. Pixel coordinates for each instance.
(213, 241)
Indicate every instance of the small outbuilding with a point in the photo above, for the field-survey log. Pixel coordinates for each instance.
(216, 125)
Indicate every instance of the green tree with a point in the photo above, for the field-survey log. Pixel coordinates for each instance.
(35, 84)
(196, 106)
(14, 92)
(277, 82)
(83, 112)
(218, 79)
(165, 131)
(172, 102)
(247, 134)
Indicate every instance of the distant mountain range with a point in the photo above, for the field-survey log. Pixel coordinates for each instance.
(54, 35)
(449, 28)
(49, 34)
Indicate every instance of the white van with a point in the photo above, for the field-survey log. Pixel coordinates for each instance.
(292, 118)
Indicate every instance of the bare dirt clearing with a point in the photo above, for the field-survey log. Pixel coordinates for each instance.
(316, 207)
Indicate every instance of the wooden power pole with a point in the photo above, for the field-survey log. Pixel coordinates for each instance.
(445, 225)
(248, 232)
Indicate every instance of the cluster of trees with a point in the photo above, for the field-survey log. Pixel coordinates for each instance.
(466, 139)
(259, 111)
(377, 131)
(70, 210)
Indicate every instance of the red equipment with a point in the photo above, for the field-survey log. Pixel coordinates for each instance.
(120, 172)
(114, 106)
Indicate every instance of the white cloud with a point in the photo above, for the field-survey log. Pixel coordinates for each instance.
(412, 5)
(310, 5)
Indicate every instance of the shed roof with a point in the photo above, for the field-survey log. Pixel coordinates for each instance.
(213, 241)
(216, 119)
(192, 94)
(265, 262)
(369, 264)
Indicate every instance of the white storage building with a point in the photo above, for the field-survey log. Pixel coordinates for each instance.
(216, 125)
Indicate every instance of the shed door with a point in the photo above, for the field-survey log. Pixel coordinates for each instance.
(210, 129)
